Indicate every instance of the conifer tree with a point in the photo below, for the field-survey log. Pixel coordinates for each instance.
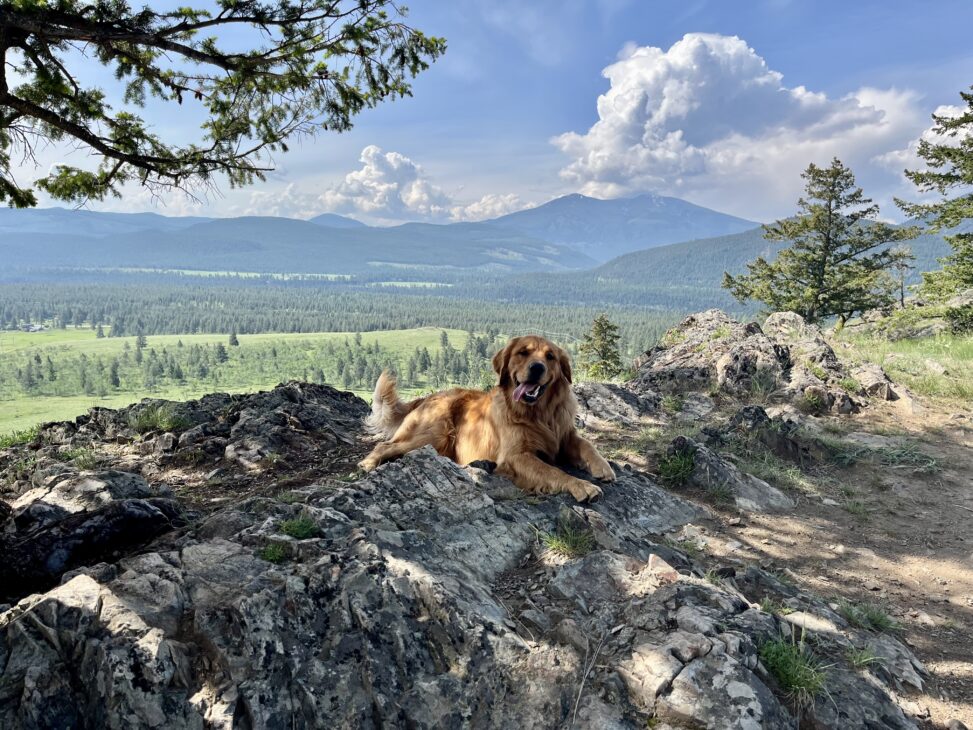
(259, 73)
(599, 350)
(839, 257)
(949, 166)
(234, 341)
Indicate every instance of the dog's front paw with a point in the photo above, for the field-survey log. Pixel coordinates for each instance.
(585, 491)
(602, 470)
(368, 464)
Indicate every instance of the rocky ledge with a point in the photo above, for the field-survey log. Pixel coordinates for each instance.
(424, 595)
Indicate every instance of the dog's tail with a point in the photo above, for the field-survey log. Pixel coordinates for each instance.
(387, 410)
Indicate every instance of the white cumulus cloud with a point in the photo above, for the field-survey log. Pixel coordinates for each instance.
(709, 120)
(390, 187)
(907, 158)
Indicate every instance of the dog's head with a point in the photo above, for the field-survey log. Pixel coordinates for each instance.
(529, 366)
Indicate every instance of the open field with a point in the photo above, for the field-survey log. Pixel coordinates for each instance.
(181, 367)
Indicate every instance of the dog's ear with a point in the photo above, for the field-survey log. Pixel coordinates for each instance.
(565, 364)
(500, 363)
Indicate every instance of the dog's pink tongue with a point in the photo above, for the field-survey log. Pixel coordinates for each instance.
(519, 391)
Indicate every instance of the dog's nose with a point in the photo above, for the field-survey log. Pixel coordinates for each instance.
(536, 370)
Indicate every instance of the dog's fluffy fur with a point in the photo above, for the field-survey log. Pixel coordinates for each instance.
(525, 424)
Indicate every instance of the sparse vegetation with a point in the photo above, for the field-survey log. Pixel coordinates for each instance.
(672, 404)
(676, 469)
(720, 495)
(19, 438)
(81, 457)
(799, 673)
(300, 528)
(867, 616)
(863, 658)
(856, 508)
(810, 403)
(769, 605)
(568, 541)
(161, 417)
(817, 371)
(850, 386)
(907, 362)
(905, 454)
(273, 553)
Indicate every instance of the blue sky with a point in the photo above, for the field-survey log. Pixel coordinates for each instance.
(722, 103)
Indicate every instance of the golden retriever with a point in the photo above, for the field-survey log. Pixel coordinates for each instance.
(525, 424)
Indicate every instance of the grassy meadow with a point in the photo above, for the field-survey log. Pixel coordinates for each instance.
(938, 367)
(71, 369)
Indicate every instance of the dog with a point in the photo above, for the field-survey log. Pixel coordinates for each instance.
(525, 424)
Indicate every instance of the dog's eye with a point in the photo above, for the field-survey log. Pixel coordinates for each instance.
(523, 353)
(550, 356)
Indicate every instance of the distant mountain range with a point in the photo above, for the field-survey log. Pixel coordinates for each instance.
(644, 251)
(604, 229)
(573, 232)
(682, 276)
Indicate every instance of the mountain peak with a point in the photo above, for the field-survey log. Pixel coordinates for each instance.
(604, 229)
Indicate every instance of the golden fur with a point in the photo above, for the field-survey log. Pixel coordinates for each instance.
(525, 439)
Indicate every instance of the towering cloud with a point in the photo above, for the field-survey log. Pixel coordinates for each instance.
(708, 119)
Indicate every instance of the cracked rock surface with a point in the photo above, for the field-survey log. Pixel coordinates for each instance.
(423, 595)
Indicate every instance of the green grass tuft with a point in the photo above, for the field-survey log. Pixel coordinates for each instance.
(158, 418)
(850, 386)
(798, 672)
(273, 553)
(867, 616)
(769, 605)
(672, 404)
(568, 541)
(300, 528)
(817, 371)
(81, 457)
(19, 438)
(863, 658)
(676, 469)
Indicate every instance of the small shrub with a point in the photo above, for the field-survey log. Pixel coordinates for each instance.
(158, 418)
(672, 337)
(568, 541)
(960, 319)
(798, 672)
(676, 469)
(300, 528)
(817, 371)
(291, 497)
(810, 404)
(273, 553)
(850, 385)
(856, 508)
(19, 438)
(672, 404)
(867, 616)
(24, 467)
(721, 332)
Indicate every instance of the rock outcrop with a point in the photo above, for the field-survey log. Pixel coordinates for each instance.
(422, 595)
(786, 361)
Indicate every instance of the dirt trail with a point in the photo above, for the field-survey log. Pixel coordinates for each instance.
(886, 536)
